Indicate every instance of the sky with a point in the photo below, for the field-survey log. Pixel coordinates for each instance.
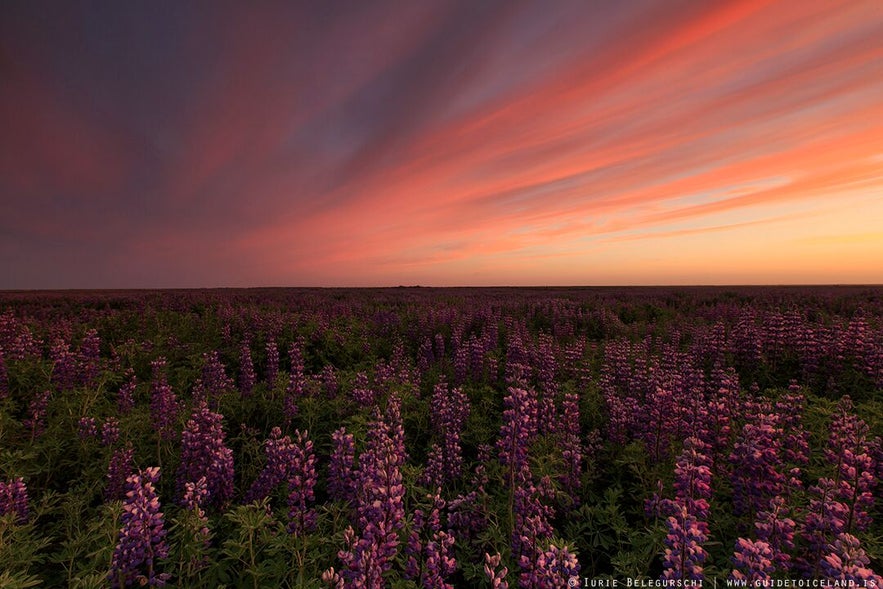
(378, 143)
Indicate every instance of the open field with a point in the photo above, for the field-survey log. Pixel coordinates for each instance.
(423, 437)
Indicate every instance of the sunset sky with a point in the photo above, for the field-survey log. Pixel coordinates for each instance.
(173, 144)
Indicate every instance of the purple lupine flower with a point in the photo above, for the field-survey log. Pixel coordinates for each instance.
(126, 394)
(16, 339)
(692, 482)
(142, 536)
(331, 578)
(87, 428)
(280, 452)
(555, 568)
(790, 409)
(164, 405)
(247, 375)
(89, 358)
(342, 479)
(440, 564)
(825, 518)
(297, 376)
(753, 561)
(297, 381)
(428, 550)
(847, 561)
(757, 464)
(195, 495)
(497, 578)
(14, 499)
(272, 370)
(301, 481)
(451, 409)
(64, 365)
(121, 462)
(214, 381)
(850, 450)
(571, 447)
(204, 454)
(722, 404)
(362, 392)
(774, 527)
(532, 523)
(110, 431)
(328, 378)
(414, 547)
(379, 500)
(684, 554)
(35, 421)
(518, 429)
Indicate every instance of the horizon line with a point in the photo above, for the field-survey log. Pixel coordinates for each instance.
(438, 287)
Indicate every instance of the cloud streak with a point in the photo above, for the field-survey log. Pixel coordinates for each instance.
(438, 142)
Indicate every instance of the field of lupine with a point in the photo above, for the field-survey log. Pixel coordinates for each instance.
(418, 437)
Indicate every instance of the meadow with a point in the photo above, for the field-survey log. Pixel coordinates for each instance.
(423, 437)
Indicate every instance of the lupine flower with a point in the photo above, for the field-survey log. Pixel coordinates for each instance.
(532, 523)
(362, 392)
(16, 339)
(722, 404)
(35, 422)
(554, 569)
(297, 378)
(497, 578)
(777, 529)
(757, 464)
(214, 381)
(272, 362)
(163, 402)
(684, 554)
(571, 447)
(126, 394)
(204, 454)
(195, 495)
(89, 358)
(451, 409)
(825, 518)
(692, 482)
(753, 561)
(301, 481)
(247, 375)
(847, 561)
(142, 538)
(440, 563)
(328, 378)
(379, 503)
(110, 431)
(342, 479)
(850, 450)
(64, 365)
(332, 579)
(428, 550)
(518, 429)
(279, 451)
(14, 499)
(117, 471)
(790, 408)
(87, 428)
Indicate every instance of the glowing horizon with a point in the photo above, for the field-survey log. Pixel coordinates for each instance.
(442, 143)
